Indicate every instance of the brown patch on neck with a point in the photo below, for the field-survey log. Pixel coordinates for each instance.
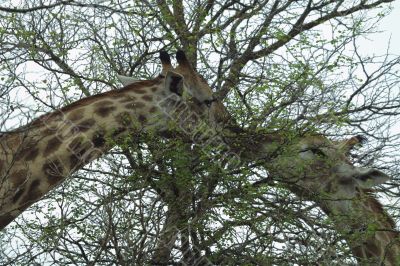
(32, 195)
(129, 99)
(377, 208)
(136, 105)
(103, 103)
(147, 98)
(5, 219)
(18, 177)
(137, 87)
(53, 169)
(28, 151)
(83, 126)
(142, 119)
(52, 145)
(104, 110)
(76, 115)
(153, 109)
(81, 149)
(17, 195)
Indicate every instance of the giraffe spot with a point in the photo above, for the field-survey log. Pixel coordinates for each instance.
(371, 249)
(130, 106)
(75, 144)
(83, 126)
(172, 103)
(153, 109)
(103, 103)
(118, 94)
(98, 140)
(31, 154)
(75, 162)
(142, 118)
(52, 145)
(47, 118)
(79, 149)
(49, 131)
(54, 171)
(140, 91)
(5, 219)
(128, 100)
(83, 157)
(18, 195)
(75, 115)
(105, 110)
(34, 185)
(27, 151)
(147, 98)
(358, 252)
(13, 141)
(118, 131)
(139, 105)
(135, 105)
(33, 193)
(154, 89)
(18, 177)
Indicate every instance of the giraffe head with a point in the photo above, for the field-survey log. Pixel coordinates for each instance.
(320, 165)
(321, 170)
(184, 81)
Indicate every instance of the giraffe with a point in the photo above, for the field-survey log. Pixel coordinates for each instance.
(317, 169)
(37, 157)
(344, 193)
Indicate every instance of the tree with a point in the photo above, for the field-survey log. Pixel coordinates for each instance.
(283, 66)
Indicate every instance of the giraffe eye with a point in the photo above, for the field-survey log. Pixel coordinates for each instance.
(318, 152)
(315, 151)
(209, 102)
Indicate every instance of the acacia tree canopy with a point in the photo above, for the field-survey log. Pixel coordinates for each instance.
(279, 66)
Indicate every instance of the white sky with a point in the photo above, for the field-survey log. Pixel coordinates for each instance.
(390, 25)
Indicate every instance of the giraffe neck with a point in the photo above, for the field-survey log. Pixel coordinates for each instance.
(368, 229)
(37, 157)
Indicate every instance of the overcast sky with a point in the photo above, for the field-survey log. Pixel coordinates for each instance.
(391, 27)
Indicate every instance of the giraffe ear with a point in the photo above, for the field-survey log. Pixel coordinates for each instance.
(368, 178)
(174, 83)
(126, 80)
